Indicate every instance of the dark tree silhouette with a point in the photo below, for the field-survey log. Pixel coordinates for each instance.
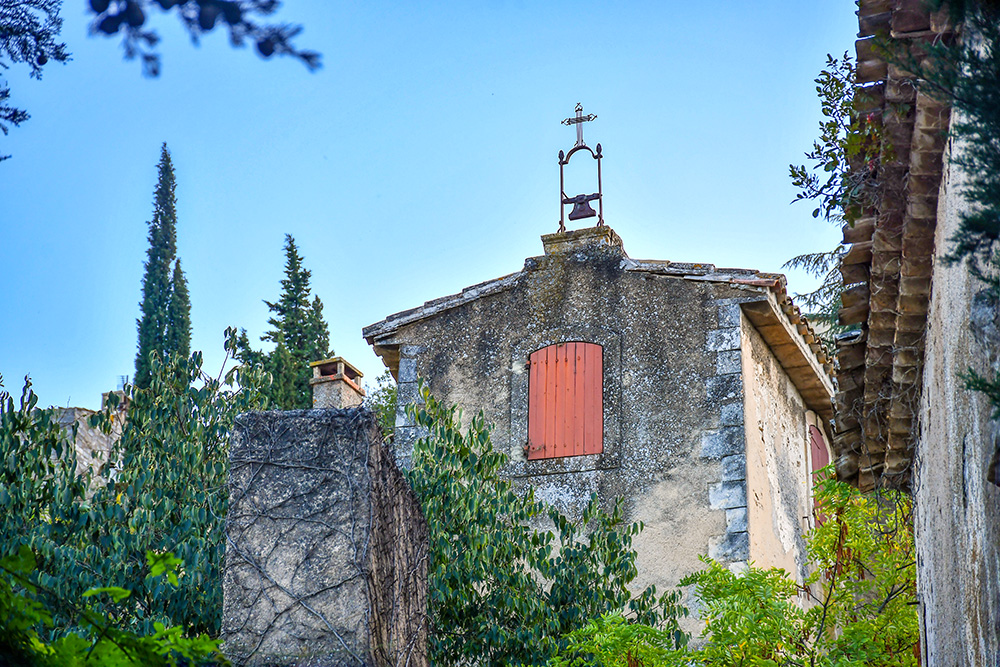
(29, 30)
(241, 18)
(179, 314)
(299, 333)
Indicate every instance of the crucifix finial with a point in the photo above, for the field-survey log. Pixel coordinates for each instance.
(579, 120)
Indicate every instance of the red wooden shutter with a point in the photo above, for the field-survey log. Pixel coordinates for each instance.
(566, 400)
(820, 458)
(820, 455)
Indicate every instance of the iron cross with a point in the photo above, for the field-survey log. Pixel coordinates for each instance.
(579, 120)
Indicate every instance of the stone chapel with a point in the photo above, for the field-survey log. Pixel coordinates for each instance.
(698, 394)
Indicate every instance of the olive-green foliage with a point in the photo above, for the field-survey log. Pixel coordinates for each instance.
(611, 641)
(167, 493)
(861, 610)
(502, 590)
(843, 173)
(25, 606)
(299, 333)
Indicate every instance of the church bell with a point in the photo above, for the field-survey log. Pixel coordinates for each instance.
(582, 209)
(581, 206)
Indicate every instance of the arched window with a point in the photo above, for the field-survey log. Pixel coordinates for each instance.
(566, 400)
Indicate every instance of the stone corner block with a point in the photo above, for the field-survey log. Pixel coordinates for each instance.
(722, 388)
(736, 520)
(734, 467)
(732, 414)
(727, 441)
(407, 369)
(729, 315)
(728, 361)
(727, 495)
(730, 547)
(723, 339)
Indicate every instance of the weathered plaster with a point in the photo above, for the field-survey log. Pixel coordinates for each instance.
(777, 460)
(957, 522)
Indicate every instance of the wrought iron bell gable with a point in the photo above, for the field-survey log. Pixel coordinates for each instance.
(581, 203)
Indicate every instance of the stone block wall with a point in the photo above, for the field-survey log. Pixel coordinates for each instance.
(326, 545)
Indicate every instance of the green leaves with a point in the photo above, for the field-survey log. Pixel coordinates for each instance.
(117, 594)
(156, 529)
(163, 563)
(504, 587)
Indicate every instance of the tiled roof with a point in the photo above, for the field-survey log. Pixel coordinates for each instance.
(887, 269)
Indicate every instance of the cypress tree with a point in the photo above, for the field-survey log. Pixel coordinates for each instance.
(299, 332)
(179, 314)
(156, 282)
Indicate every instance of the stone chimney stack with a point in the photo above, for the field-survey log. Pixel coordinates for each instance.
(335, 384)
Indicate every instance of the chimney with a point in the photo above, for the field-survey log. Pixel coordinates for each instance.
(335, 384)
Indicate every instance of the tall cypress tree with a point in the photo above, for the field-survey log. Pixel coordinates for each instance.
(164, 326)
(299, 332)
(179, 314)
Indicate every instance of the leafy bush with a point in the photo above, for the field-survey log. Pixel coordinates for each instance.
(864, 613)
(26, 606)
(502, 590)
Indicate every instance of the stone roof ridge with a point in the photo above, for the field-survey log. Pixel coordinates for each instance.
(776, 283)
(435, 306)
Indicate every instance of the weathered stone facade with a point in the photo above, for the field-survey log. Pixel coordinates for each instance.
(957, 525)
(326, 560)
(676, 342)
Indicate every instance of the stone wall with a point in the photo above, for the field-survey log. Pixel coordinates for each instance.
(957, 519)
(777, 460)
(326, 545)
(92, 446)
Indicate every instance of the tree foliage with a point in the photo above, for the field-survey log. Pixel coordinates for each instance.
(165, 492)
(240, 18)
(26, 606)
(299, 333)
(509, 575)
(29, 30)
(179, 314)
(165, 310)
(861, 609)
(841, 177)
(382, 399)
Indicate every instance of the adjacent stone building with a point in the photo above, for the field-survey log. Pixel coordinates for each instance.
(697, 394)
(904, 418)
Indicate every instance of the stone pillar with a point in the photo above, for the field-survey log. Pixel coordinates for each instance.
(335, 384)
(326, 546)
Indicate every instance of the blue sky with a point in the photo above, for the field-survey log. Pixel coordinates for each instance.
(420, 159)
